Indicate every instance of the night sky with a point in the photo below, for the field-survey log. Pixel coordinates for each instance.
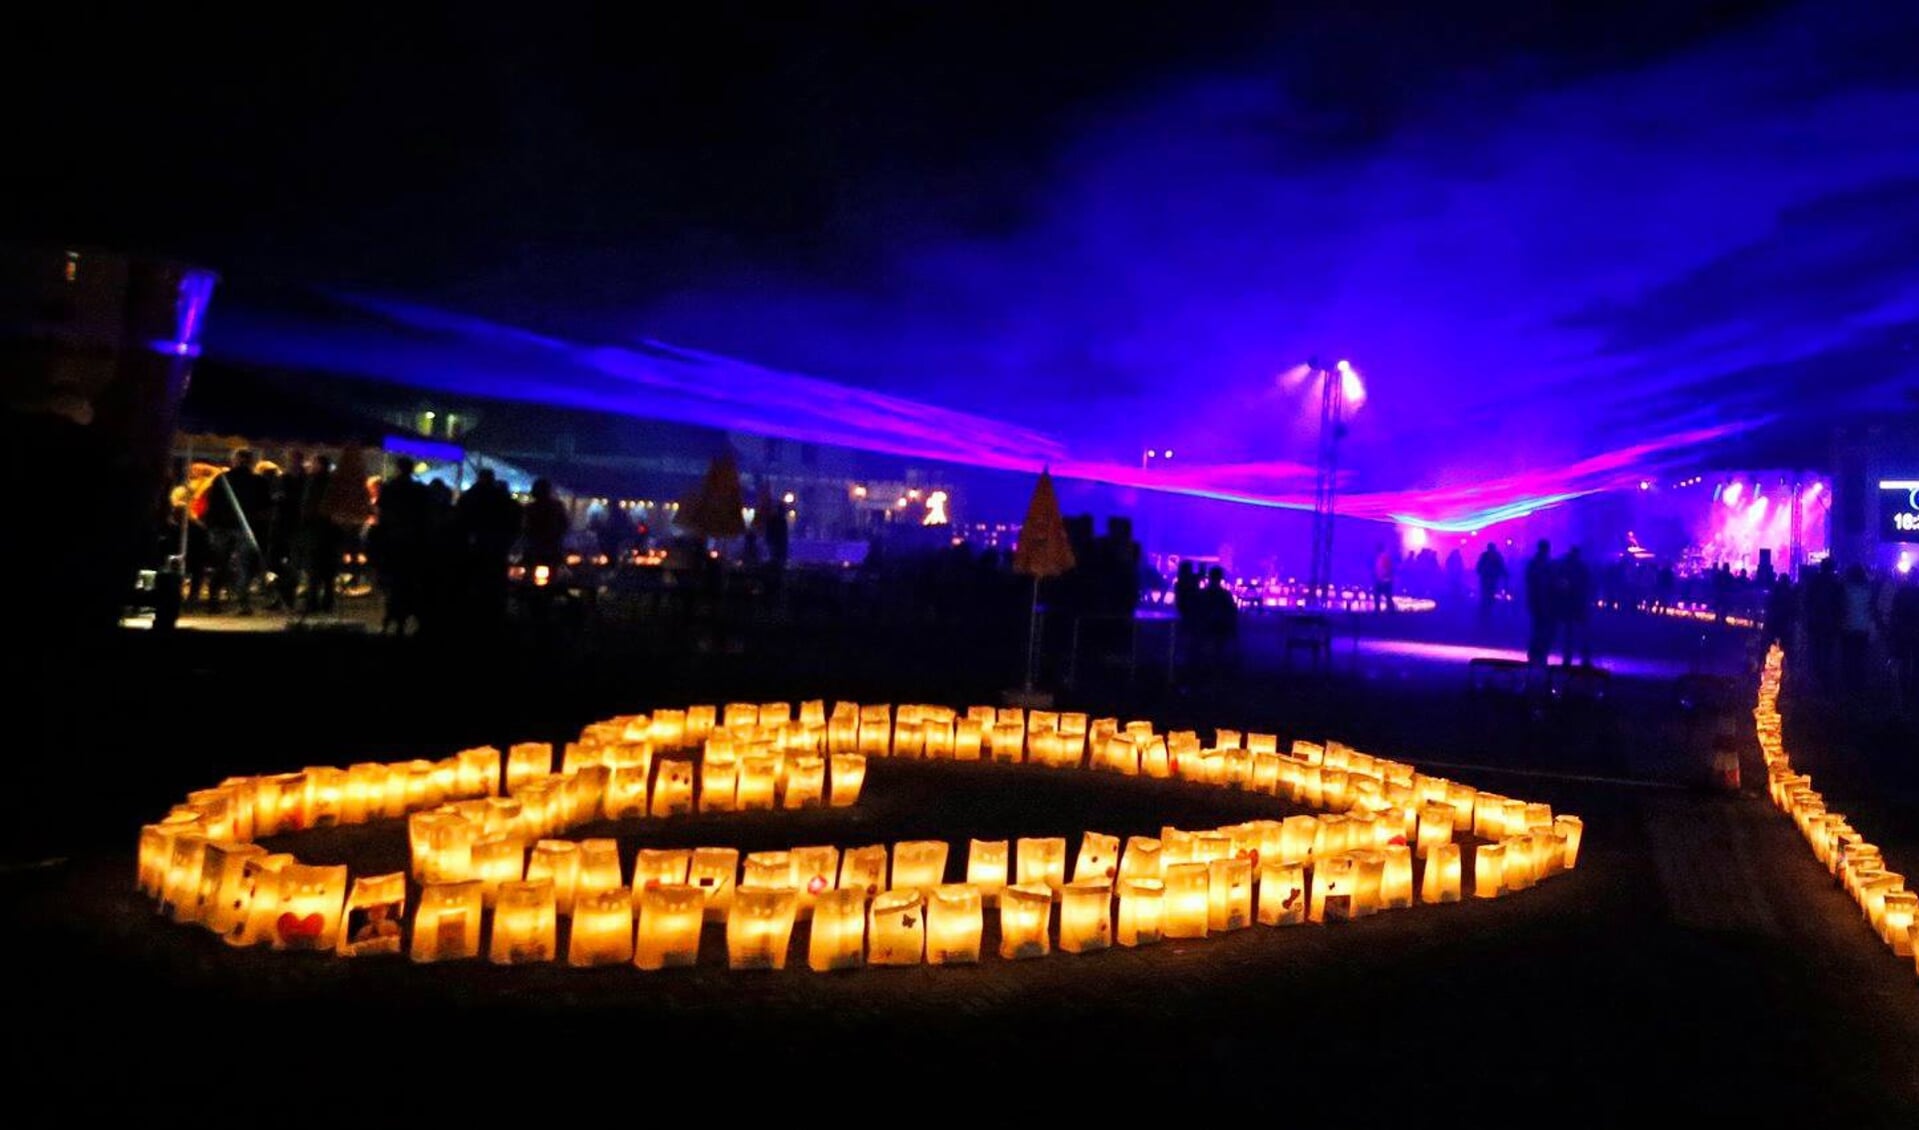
(1565, 243)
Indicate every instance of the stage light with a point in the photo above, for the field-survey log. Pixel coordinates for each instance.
(1351, 386)
(1905, 563)
(1730, 494)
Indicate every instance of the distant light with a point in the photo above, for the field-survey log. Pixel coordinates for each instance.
(1905, 562)
(1645, 484)
(935, 509)
(788, 499)
(859, 492)
(913, 494)
(1169, 453)
(1350, 385)
(901, 503)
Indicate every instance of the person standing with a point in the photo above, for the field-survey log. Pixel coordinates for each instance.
(1385, 565)
(1573, 589)
(1903, 635)
(1824, 606)
(399, 544)
(489, 519)
(317, 540)
(546, 528)
(1855, 628)
(1491, 570)
(1539, 604)
(236, 503)
(284, 541)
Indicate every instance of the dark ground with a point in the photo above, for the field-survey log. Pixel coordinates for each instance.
(1699, 961)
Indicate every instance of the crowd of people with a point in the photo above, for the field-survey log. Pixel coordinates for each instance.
(287, 532)
(1836, 622)
(288, 536)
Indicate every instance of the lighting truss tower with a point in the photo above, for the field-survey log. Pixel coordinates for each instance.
(1796, 532)
(1332, 429)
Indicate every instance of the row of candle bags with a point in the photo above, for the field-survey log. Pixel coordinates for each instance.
(482, 834)
(1888, 907)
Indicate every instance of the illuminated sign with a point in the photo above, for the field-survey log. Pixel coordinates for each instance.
(1899, 510)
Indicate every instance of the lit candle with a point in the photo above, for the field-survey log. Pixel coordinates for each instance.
(759, 778)
(673, 788)
(1896, 917)
(1229, 894)
(1040, 860)
(446, 927)
(814, 869)
(669, 927)
(1025, 919)
(986, 867)
(524, 923)
(1141, 860)
(838, 936)
(758, 927)
(1489, 871)
(1282, 893)
(1440, 882)
(1574, 829)
(526, 761)
(1435, 827)
(849, 775)
(1333, 882)
(919, 864)
(1369, 875)
(953, 923)
(1142, 910)
(896, 927)
(1520, 873)
(864, 869)
(805, 783)
(1098, 858)
(1086, 916)
(719, 783)
(1188, 900)
(1396, 882)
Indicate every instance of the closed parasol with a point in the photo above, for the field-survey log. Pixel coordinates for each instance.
(716, 508)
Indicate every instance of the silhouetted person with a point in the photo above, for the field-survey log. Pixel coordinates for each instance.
(779, 540)
(1855, 627)
(1902, 630)
(1385, 565)
(399, 544)
(443, 558)
(237, 502)
(489, 521)
(1491, 570)
(1217, 613)
(1823, 608)
(1539, 604)
(319, 540)
(1573, 597)
(289, 490)
(1186, 593)
(1780, 609)
(546, 526)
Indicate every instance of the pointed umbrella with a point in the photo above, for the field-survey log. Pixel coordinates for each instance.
(1043, 551)
(716, 507)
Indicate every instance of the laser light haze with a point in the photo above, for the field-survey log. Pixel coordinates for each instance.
(1550, 289)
